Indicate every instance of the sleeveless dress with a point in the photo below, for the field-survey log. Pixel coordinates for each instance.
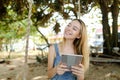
(67, 75)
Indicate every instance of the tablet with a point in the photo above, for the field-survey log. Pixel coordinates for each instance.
(71, 60)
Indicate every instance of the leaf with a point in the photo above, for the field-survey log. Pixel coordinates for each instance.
(56, 27)
(65, 15)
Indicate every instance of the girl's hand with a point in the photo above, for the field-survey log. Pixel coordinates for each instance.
(61, 69)
(78, 71)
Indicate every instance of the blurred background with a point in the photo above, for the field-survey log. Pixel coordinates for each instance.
(28, 27)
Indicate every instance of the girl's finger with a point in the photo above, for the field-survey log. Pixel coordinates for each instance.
(77, 70)
(63, 66)
(80, 65)
(75, 67)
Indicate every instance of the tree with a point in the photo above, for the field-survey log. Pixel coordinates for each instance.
(109, 6)
(106, 7)
(13, 21)
(43, 12)
(110, 39)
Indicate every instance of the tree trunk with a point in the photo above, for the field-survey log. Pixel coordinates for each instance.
(0, 47)
(1, 44)
(115, 12)
(106, 27)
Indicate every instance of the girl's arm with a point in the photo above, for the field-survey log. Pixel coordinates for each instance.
(51, 56)
(59, 69)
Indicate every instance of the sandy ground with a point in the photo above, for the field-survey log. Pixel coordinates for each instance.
(104, 71)
(17, 70)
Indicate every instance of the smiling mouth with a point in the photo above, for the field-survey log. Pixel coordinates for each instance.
(68, 33)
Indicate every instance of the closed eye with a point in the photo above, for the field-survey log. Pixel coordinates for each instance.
(74, 28)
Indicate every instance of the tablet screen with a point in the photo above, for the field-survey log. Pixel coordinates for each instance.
(71, 60)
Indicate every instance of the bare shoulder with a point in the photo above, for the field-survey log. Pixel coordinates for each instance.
(51, 47)
(52, 51)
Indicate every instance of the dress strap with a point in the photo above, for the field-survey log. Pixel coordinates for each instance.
(56, 50)
(57, 58)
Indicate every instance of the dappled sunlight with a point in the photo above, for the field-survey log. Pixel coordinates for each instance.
(3, 79)
(40, 78)
(108, 75)
(38, 71)
(19, 55)
(113, 74)
(13, 68)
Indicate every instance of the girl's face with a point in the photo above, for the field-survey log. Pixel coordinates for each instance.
(72, 30)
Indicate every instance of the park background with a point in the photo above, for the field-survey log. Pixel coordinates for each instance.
(28, 27)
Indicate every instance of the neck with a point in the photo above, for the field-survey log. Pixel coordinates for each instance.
(67, 46)
(68, 42)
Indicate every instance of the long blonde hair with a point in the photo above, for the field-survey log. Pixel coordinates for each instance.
(81, 45)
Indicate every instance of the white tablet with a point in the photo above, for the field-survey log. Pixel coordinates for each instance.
(71, 60)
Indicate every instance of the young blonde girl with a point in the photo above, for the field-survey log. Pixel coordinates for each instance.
(75, 42)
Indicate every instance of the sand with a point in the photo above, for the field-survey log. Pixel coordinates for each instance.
(16, 69)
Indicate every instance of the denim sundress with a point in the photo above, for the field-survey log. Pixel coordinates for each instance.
(67, 75)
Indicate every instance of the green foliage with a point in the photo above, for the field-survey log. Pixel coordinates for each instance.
(57, 27)
(14, 14)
